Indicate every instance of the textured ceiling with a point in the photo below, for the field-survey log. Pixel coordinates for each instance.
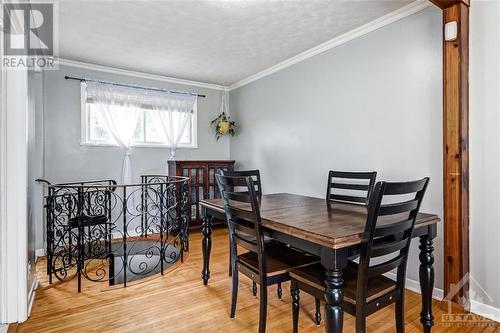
(210, 41)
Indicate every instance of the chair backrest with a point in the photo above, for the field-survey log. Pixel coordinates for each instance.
(243, 215)
(392, 212)
(352, 187)
(254, 174)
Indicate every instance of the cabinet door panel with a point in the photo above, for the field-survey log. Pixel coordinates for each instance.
(201, 175)
(197, 187)
(203, 184)
(213, 190)
(211, 175)
(192, 174)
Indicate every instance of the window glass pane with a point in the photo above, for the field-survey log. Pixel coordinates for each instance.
(149, 128)
(139, 130)
(97, 127)
(186, 136)
(154, 129)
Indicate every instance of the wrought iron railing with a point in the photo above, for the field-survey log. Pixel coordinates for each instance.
(103, 231)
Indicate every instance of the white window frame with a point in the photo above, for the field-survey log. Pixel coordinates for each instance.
(85, 128)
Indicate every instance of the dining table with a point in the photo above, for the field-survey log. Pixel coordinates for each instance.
(333, 231)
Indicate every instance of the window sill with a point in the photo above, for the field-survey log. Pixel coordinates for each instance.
(91, 144)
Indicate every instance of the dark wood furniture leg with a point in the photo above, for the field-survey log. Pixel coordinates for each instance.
(230, 271)
(206, 245)
(234, 292)
(334, 314)
(334, 261)
(317, 315)
(294, 291)
(426, 281)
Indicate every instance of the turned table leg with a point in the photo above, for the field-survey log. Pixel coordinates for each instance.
(206, 245)
(334, 313)
(426, 281)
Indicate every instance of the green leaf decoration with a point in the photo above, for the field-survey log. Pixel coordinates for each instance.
(223, 126)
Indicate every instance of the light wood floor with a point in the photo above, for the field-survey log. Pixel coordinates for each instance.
(178, 302)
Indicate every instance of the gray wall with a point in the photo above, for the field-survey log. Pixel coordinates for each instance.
(485, 154)
(66, 159)
(373, 103)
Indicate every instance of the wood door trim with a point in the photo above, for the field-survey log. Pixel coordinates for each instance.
(443, 4)
(456, 145)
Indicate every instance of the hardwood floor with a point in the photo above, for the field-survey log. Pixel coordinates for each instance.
(178, 302)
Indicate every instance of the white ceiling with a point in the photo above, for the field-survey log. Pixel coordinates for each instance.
(218, 42)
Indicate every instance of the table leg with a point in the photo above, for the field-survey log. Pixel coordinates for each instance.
(334, 313)
(426, 281)
(206, 246)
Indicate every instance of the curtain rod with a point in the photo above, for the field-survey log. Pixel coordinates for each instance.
(131, 86)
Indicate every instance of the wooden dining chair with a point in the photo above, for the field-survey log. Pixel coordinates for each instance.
(352, 187)
(263, 264)
(347, 187)
(388, 230)
(255, 175)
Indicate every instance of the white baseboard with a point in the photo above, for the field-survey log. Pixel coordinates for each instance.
(31, 295)
(484, 310)
(40, 253)
(414, 286)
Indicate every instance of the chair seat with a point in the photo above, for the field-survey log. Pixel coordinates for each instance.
(280, 259)
(314, 276)
(252, 239)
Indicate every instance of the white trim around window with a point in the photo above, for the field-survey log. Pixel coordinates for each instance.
(85, 129)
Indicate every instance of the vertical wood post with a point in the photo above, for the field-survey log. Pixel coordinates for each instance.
(456, 148)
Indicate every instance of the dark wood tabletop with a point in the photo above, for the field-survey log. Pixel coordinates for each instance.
(332, 231)
(331, 224)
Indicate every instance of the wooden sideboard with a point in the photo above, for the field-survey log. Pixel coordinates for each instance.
(203, 184)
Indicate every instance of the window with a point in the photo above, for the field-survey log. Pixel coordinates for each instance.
(148, 131)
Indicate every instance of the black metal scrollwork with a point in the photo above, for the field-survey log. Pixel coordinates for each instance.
(116, 233)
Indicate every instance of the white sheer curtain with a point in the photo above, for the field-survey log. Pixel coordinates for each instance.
(174, 111)
(120, 108)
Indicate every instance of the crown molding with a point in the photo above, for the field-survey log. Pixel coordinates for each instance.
(142, 75)
(392, 17)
